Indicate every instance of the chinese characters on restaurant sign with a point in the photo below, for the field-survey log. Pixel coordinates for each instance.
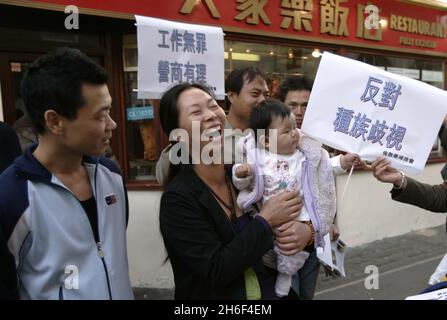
(344, 19)
(384, 24)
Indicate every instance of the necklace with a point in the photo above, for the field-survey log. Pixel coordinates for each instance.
(230, 207)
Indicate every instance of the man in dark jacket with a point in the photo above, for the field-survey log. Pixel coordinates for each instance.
(408, 190)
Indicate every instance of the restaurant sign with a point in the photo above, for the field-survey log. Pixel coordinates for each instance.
(382, 24)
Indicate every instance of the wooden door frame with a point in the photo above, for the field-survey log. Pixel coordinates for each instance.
(7, 82)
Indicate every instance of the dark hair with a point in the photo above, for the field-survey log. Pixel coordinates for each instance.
(294, 83)
(54, 81)
(235, 80)
(169, 113)
(262, 115)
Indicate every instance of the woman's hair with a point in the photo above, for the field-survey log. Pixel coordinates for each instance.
(262, 115)
(169, 114)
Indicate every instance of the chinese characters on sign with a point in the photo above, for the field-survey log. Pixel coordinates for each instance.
(372, 112)
(389, 95)
(189, 5)
(362, 123)
(366, 33)
(172, 71)
(298, 11)
(177, 72)
(188, 40)
(253, 9)
(172, 52)
(295, 13)
(334, 18)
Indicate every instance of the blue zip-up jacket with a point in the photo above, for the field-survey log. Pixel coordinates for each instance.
(49, 236)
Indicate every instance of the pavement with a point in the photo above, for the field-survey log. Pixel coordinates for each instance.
(404, 264)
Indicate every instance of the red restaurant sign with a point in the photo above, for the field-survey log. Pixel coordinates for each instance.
(403, 25)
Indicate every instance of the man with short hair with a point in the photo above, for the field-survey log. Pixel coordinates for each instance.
(245, 89)
(295, 93)
(63, 207)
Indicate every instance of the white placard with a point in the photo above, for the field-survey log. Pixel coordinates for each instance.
(434, 295)
(372, 112)
(172, 52)
(332, 255)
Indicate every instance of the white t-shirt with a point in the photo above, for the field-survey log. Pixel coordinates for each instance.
(282, 173)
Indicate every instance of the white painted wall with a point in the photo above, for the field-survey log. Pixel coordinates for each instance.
(145, 244)
(366, 214)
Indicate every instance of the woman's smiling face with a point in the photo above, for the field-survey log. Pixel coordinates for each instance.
(198, 107)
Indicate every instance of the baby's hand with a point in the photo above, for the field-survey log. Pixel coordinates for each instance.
(243, 171)
(351, 159)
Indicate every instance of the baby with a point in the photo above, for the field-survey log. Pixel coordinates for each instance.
(279, 158)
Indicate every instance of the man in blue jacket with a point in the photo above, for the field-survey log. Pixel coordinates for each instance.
(63, 207)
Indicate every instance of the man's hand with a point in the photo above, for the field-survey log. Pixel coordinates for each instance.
(293, 237)
(243, 171)
(384, 173)
(282, 208)
(351, 159)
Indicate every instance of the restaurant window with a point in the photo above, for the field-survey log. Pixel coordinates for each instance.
(277, 62)
(430, 72)
(141, 132)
